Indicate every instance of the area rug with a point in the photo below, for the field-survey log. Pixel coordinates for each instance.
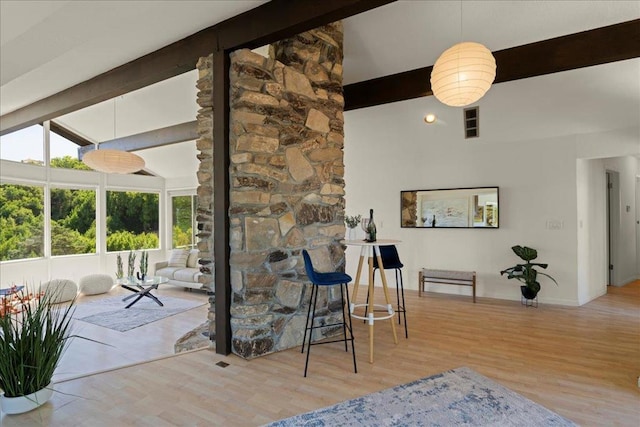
(460, 397)
(110, 312)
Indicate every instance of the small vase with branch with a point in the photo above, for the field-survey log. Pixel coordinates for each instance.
(352, 222)
(144, 265)
(131, 267)
(119, 268)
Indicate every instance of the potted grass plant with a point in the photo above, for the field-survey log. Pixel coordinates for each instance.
(33, 337)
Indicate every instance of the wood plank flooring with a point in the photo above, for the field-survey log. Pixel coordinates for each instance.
(150, 341)
(581, 362)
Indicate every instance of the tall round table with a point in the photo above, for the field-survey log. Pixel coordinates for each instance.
(369, 250)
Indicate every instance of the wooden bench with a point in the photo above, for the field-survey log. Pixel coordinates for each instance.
(446, 277)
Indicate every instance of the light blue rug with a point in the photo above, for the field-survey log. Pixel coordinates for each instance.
(110, 312)
(460, 397)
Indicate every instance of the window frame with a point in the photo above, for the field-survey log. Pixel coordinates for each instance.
(45, 212)
(194, 223)
(159, 193)
(73, 186)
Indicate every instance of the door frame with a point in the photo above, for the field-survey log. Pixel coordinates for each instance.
(613, 225)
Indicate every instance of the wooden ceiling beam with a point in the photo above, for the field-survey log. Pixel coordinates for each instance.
(280, 19)
(262, 25)
(68, 134)
(155, 138)
(170, 61)
(585, 49)
(593, 47)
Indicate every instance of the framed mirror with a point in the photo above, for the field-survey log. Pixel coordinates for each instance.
(476, 207)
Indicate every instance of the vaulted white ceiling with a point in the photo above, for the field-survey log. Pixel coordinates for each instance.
(47, 46)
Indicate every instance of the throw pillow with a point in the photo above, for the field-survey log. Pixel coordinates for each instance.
(192, 261)
(178, 258)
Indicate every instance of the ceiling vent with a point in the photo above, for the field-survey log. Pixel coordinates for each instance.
(471, 122)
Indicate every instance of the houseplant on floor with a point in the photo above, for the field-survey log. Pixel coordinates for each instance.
(33, 337)
(526, 273)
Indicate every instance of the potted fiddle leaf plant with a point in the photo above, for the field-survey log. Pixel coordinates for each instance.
(527, 273)
(33, 337)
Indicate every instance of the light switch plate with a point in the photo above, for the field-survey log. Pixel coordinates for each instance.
(554, 225)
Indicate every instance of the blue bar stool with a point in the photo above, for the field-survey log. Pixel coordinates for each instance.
(326, 279)
(391, 261)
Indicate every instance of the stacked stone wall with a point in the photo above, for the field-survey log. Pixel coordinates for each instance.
(204, 207)
(287, 186)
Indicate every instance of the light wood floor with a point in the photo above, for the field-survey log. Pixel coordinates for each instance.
(581, 362)
(150, 341)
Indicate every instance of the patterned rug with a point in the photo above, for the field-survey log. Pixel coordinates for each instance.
(460, 397)
(110, 312)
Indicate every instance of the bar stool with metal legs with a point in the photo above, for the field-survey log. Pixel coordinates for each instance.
(326, 279)
(391, 260)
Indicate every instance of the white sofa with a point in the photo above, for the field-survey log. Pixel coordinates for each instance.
(181, 269)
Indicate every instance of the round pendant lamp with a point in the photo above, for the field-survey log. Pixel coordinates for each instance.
(463, 74)
(113, 161)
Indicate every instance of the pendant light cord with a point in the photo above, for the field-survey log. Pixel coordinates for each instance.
(114, 117)
(461, 35)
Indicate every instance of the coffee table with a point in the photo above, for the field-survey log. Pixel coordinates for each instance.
(141, 288)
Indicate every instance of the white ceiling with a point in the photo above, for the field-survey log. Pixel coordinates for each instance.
(47, 46)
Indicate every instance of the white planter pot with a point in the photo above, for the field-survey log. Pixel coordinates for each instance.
(21, 404)
(351, 234)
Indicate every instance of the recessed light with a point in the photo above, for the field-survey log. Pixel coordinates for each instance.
(430, 118)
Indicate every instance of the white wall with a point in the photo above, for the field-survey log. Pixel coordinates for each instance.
(627, 167)
(592, 233)
(389, 149)
(37, 271)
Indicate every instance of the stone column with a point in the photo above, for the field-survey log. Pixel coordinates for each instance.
(204, 208)
(287, 179)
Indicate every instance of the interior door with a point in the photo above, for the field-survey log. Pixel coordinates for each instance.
(613, 223)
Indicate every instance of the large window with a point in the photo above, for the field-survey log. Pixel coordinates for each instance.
(73, 221)
(21, 221)
(183, 213)
(64, 153)
(132, 220)
(25, 145)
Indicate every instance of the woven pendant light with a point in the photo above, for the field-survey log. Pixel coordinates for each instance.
(463, 74)
(113, 161)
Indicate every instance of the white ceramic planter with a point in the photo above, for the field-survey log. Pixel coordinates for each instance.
(21, 404)
(351, 233)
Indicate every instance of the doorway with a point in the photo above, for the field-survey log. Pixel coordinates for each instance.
(613, 225)
(638, 226)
